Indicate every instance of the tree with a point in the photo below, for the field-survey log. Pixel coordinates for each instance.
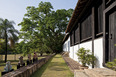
(8, 32)
(45, 25)
(18, 47)
(1, 45)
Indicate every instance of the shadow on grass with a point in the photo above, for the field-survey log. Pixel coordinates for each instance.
(41, 70)
(58, 69)
(57, 66)
(57, 57)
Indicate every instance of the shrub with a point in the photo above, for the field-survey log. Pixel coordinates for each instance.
(112, 64)
(85, 57)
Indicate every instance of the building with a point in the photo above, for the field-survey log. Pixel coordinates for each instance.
(93, 26)
(66, 43)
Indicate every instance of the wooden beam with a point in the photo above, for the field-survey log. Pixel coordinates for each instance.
(79, 33)
(83, 1)
(104, 34)
(110, 7)
(93, 31)
(103, 4)
(104, 39)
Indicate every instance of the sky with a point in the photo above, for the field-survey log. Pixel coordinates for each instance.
(15, 9)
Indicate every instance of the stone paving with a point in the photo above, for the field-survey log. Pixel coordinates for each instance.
(73, 65)
(95, 72)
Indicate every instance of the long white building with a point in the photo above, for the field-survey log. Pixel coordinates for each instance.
(93, 26)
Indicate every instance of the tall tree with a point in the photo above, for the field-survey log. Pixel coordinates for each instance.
(46, 25)
(8, 32)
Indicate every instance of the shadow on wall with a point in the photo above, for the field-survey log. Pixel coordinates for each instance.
(97, 64)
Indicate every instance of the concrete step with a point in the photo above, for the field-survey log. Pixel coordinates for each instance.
(105, 72)
(92, 73)
(96, 72)
(79, 73)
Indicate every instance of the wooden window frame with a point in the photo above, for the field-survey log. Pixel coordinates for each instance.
(87, 38)
(97, 6)
(76, 34)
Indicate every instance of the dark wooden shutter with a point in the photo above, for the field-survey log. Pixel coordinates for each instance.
(99, 18)
(86, 28)
(76, 34)
(73, 37)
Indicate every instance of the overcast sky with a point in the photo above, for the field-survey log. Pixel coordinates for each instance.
(15, 9)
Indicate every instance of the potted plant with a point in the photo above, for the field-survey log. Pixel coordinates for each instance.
(85, 57)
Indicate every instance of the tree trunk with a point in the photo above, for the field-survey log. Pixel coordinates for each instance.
(6, 46)
(41, 54)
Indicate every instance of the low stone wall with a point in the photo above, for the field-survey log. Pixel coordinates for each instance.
(26, 71)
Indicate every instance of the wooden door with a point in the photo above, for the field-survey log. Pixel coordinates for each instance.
(112, 36)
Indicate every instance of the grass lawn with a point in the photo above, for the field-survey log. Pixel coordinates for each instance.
(56, 67)
(13, 61)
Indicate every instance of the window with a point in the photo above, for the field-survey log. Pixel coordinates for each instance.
(86, 28)
(76, 34)
(99, 18)
(72, 38)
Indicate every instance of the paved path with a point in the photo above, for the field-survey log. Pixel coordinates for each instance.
(56, 67)
(95, 72)
(73, 65)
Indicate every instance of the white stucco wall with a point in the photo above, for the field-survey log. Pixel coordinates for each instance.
(71, 54)
(74, 49)
(98, 52)
(66, 45)
(87, 45)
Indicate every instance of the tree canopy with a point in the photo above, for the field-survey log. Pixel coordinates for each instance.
(43, 28)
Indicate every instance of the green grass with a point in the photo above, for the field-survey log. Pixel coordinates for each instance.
(55, 67)
(13, 61)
